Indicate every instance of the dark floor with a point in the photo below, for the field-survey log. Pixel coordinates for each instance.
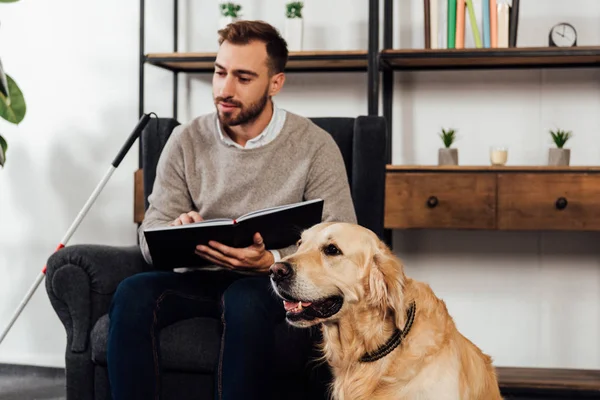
(31, 383)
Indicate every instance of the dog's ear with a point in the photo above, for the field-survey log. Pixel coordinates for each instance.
(386, 283)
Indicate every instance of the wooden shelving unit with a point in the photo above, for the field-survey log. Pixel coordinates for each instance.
(306, 61)
(506, 58)
(492, 198)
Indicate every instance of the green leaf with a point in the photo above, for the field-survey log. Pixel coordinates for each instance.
(8, 1)
(3, 147)
(12, 108)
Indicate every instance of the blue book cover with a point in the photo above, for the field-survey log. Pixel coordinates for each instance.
(486, 23)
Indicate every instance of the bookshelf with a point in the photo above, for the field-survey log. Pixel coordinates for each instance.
(491, 208)
(491, 58)
(307, 61)
(492, 198)
(379, 65)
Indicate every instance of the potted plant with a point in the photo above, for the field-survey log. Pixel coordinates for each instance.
(560, 155)
(230, 12)
(294, 25)
(12, 103)
(447, 155)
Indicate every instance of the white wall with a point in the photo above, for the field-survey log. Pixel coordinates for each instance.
(528, 299)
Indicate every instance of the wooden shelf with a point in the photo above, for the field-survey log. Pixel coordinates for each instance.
(492, 169)
(549, 379)
(515, 57)
(305, 61)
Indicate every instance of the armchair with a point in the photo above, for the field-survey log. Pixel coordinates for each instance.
(81, 280)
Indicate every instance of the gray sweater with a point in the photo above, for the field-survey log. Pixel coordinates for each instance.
(197, 171)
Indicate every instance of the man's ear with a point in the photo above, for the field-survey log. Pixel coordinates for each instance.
(386, 284)
(276, 84)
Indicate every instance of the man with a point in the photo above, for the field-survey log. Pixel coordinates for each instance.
(247, 155)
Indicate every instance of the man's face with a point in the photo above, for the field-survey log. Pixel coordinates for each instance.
(241, 82)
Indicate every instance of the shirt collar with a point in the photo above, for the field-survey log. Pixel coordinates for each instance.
(254, 142)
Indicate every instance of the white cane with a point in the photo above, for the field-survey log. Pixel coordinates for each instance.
(124, 150)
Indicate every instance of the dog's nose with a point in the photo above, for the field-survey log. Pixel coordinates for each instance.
(280, 271)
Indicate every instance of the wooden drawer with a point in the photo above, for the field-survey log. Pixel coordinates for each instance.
(440, 200)
(549, 201)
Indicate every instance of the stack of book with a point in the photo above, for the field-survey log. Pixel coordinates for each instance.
(459, 24)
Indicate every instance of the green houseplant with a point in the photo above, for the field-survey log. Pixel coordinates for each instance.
(560, 155)
(294, 25)
(446, 154)
(230, 12)
(12, 103)
(293, 9)
(230, 9)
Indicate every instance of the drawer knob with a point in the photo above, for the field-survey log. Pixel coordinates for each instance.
(561, 203)
(432, 201)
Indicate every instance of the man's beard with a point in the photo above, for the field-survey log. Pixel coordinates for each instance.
(246, 114)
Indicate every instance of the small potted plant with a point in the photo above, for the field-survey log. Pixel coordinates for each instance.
(560, 155)
(230, 12)
(447, 155)
(294, 25)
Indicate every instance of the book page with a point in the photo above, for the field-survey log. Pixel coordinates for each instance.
(270, 210)
(208, 222)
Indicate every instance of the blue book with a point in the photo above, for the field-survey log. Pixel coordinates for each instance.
(486, 23)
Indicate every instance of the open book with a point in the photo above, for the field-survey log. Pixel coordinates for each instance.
(280, 226)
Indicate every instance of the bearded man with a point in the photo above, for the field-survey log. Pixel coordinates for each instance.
(246, 155)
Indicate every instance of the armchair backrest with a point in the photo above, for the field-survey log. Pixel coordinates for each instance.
(361, 140)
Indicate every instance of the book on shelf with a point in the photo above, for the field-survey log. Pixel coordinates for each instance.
(280, 226)
(463, 24)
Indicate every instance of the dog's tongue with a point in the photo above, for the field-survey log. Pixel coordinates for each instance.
(288, 305)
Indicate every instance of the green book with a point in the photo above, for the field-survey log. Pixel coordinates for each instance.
(452, 23)
(474, 26)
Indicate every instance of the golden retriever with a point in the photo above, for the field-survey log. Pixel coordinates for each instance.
(385, 336)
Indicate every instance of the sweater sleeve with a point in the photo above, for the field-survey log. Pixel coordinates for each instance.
(327, 179)
(170, 196)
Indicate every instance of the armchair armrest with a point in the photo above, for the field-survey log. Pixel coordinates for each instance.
(80, 282)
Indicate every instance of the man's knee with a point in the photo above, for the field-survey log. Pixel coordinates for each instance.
(135, 297)
(250, 300)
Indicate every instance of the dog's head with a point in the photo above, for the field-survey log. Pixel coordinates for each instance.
(338, 267)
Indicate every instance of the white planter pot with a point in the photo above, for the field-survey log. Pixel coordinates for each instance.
(559, 157)
(447, 156)
(224, 21)
(294, 33)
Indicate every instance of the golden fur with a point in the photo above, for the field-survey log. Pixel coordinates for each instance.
(433, 362)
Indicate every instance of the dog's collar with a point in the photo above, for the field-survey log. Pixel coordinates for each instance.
(394, 341)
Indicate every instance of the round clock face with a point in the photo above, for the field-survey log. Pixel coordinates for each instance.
(563, 35)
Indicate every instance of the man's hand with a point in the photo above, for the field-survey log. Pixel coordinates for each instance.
(254, 257)
(187, 218)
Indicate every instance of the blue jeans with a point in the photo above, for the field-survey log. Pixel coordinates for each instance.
(147, 302)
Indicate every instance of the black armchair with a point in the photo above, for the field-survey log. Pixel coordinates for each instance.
(81, 280)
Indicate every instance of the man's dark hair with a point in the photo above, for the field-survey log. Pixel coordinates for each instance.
(243, 32)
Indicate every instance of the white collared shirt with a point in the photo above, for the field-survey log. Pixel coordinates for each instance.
(267, 135)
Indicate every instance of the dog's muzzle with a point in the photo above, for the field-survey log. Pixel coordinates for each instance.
(281, 271)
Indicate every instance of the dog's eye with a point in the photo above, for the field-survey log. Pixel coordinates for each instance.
(332, 250)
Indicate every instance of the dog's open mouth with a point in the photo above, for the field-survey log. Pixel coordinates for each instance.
(308, 310)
